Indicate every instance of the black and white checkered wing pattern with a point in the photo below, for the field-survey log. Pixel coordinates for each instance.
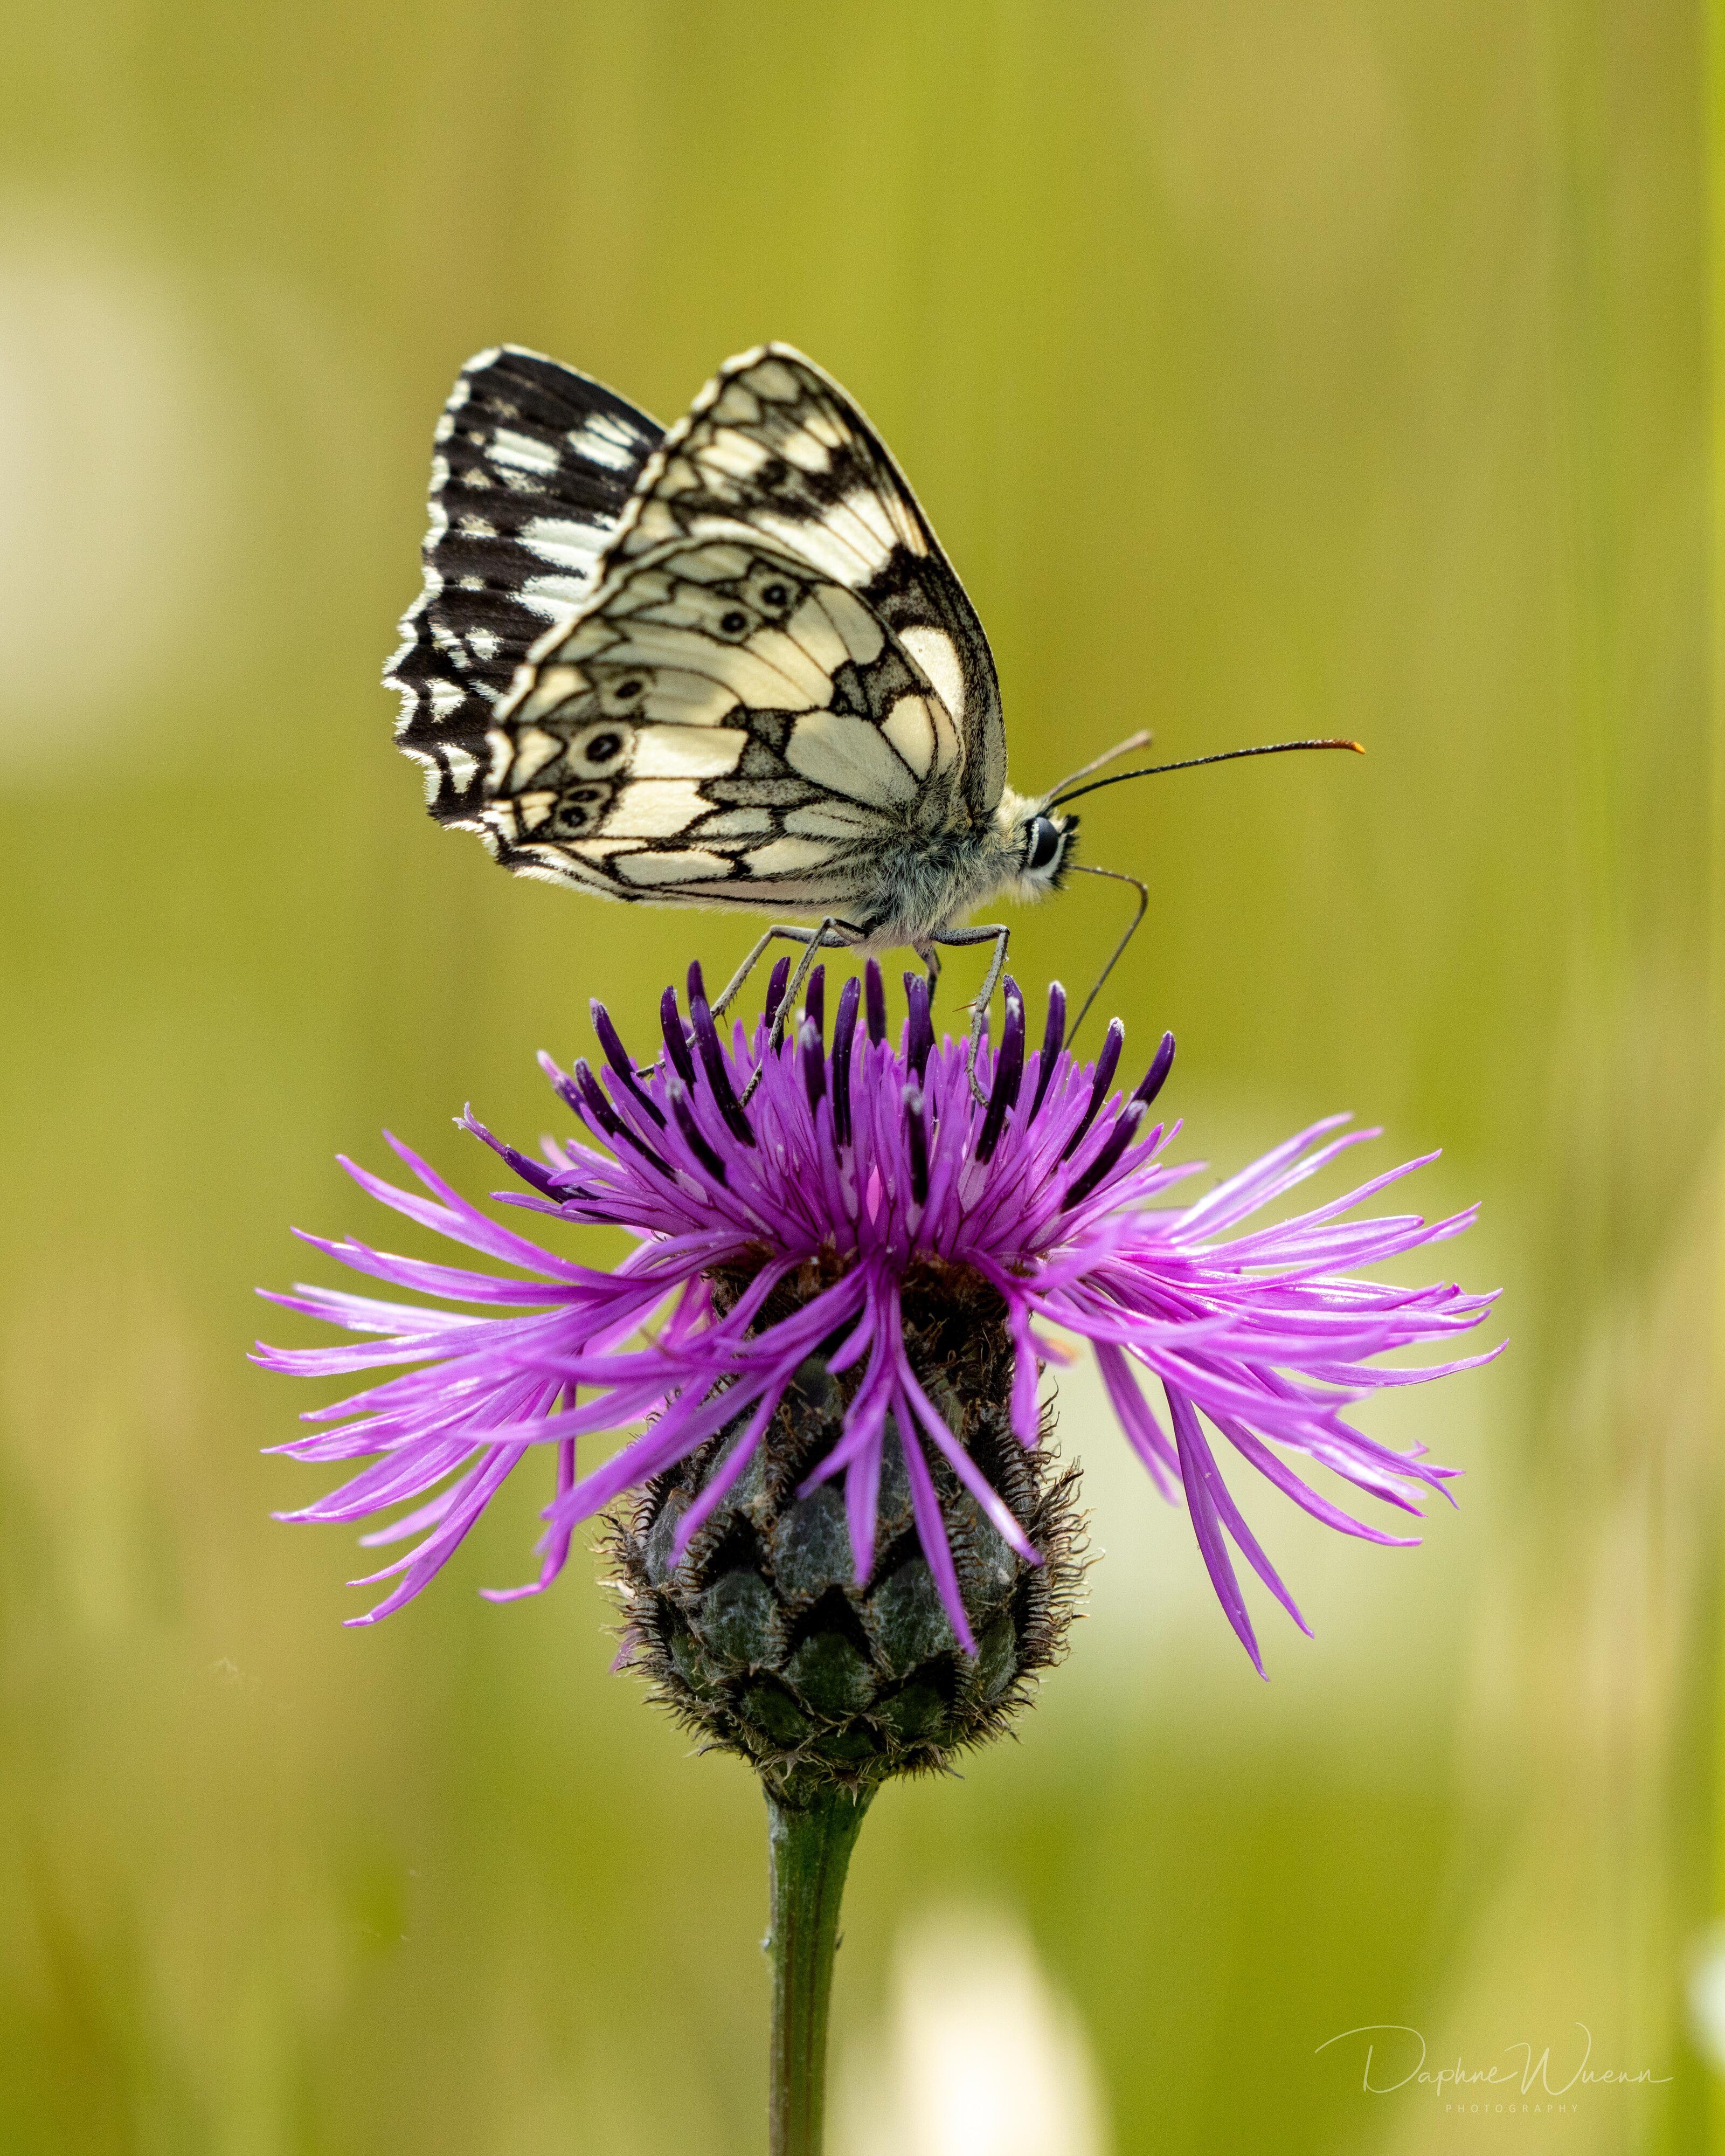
(533, 468)
(774, 444)
(724, 723)
(776, 694)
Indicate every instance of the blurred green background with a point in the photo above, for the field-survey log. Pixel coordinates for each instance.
(1268, 368)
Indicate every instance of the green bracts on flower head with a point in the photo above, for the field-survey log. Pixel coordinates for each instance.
(764, 1640)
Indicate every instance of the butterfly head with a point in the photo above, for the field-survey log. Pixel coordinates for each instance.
(1040, 844)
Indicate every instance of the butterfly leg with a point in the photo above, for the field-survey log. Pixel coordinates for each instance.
(931, 959)
(959, 938)
(791, 936)
(833, 935)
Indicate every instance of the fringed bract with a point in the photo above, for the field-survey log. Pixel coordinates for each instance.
(764, 1640)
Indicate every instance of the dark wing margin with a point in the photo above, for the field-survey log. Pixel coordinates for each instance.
(773, 443)
(533, 467)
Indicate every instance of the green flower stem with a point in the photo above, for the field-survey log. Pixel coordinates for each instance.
(808, 1854)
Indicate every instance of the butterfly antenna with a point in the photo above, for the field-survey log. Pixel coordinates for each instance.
(1070, 792)
(1114, 875)
(1141, 739)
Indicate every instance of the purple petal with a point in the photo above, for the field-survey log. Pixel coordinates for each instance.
(865, 1163)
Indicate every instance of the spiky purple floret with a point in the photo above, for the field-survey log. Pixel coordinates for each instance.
(872, 1158)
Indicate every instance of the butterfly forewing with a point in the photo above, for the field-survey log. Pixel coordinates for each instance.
(533, 468)
(774, 442)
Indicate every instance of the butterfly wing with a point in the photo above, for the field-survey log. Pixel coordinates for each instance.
(723, 722)
(773, 443)
(760, 672)
(534, 467)
(776, 680)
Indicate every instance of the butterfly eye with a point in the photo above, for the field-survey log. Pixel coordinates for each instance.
(733, 621)
(1042, 844)
(627, 689)
(774, 595)
(603, 748)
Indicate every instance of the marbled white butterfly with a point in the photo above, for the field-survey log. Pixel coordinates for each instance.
(724, 665)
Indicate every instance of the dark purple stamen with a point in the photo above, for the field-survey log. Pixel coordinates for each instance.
(1054, 1039)
(713, 1062)
(565, 1087)
(814, 1001)
(775, 992)
(1125, 1130)
(611, 1126)
(814, 1064)
(531, 1171)
(597, 1108)
(1009, 1074)
(1156, 1077)
(620, 1060)
(877, 988)
(844, 1033)
(676, 1041)
(916, 1126)
(1104, 1079)
(920, 1040)
(693, 1135)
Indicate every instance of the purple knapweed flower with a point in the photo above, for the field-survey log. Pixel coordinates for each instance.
(796, 1226)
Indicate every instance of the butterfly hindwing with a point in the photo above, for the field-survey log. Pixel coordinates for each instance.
(723, 722)
(533, 468)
